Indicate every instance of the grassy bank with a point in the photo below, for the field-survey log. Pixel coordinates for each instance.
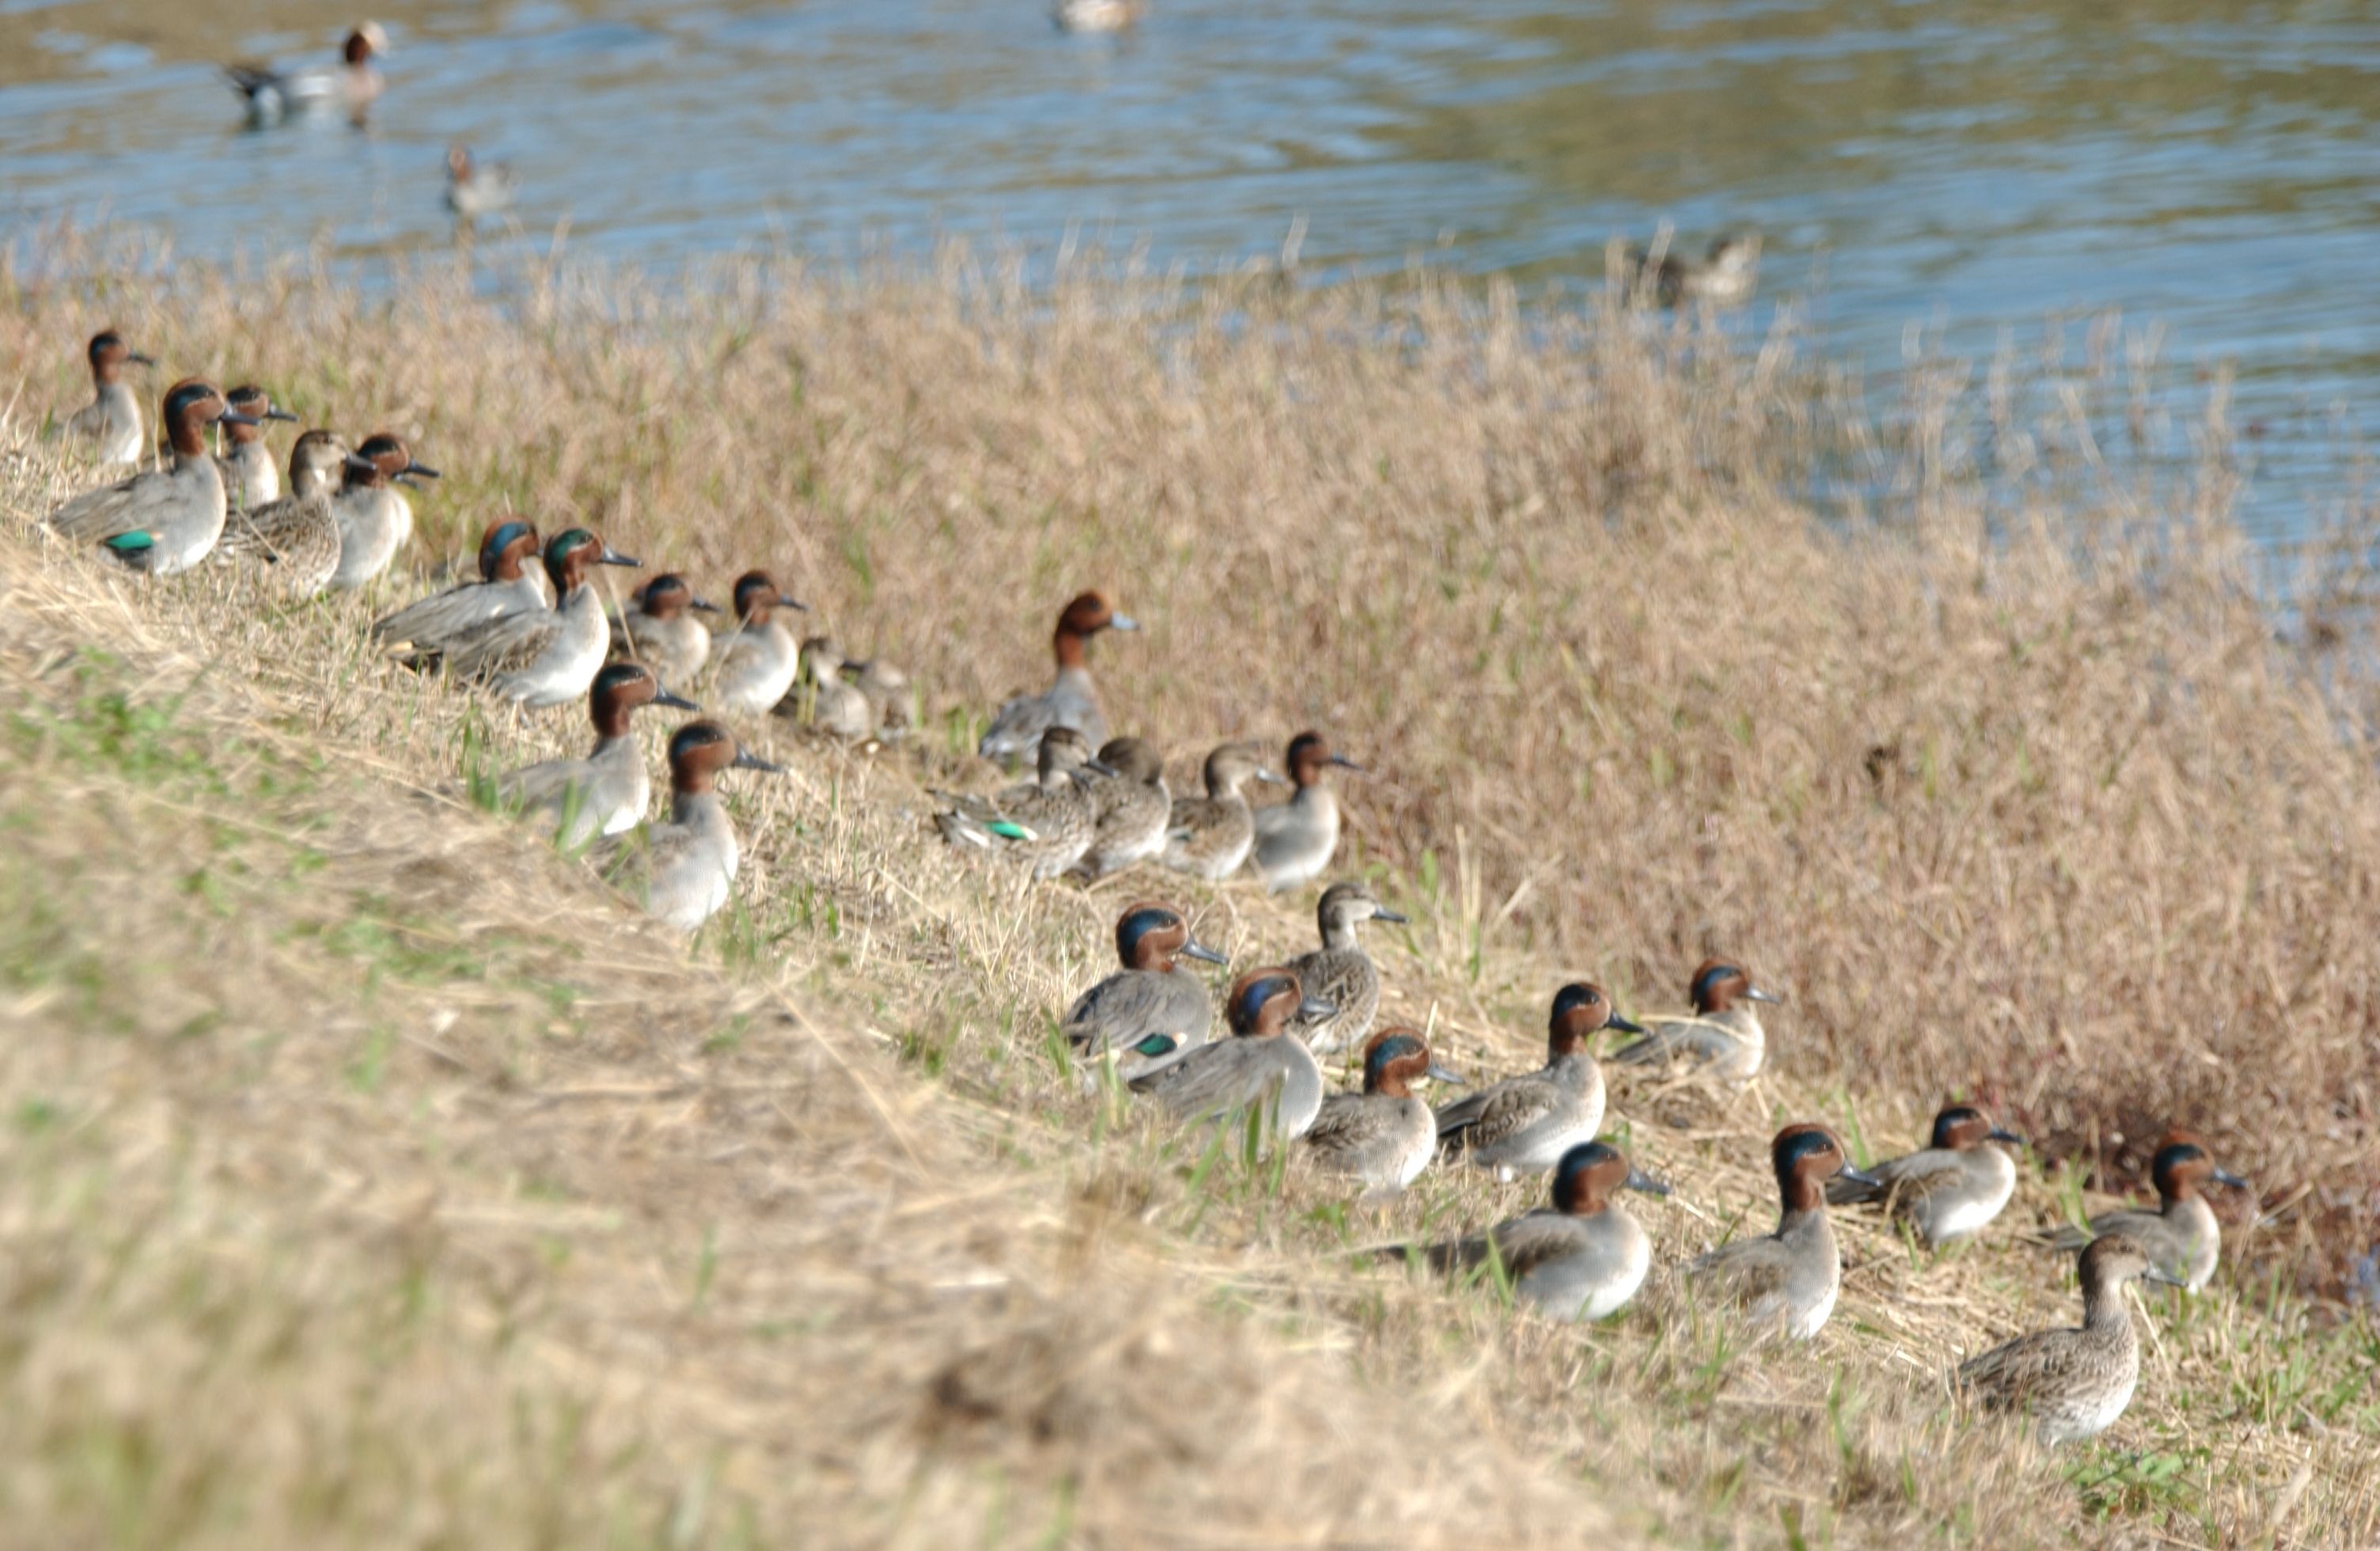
(2057, 824)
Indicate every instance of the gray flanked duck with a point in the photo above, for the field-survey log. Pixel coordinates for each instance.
(1071, 701)
(608, 791)
(162, 521)
(1581, 1258)
(1152, 1010)
(1786, 1281)
(1259, 1067)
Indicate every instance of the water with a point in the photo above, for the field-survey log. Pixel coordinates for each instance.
(1979, 175)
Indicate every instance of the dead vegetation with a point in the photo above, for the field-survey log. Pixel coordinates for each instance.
(2051, 823)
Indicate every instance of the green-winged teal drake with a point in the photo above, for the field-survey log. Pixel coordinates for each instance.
(661, 627)
(1951, 1189)
(687, 867)
(1383, 1136)
(109, 426)
(1295, 841)
(757, 661)
(1259, 1066)
(608, 790)
(1525, 1124)
(511, 581)
(1786, 1280)
(1723, 1037)
(2181, 1236)
(251, 479)
(544, 657)
(162, 521)
(1582, 1257)
(1071, 701)
(1152, 1010)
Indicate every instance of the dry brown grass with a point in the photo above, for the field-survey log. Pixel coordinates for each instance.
(1992, 803)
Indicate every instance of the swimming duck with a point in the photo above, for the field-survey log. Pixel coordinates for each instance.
(608, 791)
(295, 534)
(1524, 1124)
(1725, 277)
(353, 85)
(1582, 1257)
(758, 659)
(1787, 1280)
(1256, 1067)
(2074, 1384)
(2181, 1236)
(688, 865)
(543, 657)
(508, 584)
(1340, 972)
(1295, 841)
(1723, 1037)
(1951, 1189)
(162, 521)
(250, 477)
(820, 693)
(1044, 823)
(1211, 835)
(1070, 701)
(110, 423)
(1145, 1014)
(374, 518)
(476, 189)
(1131, 814)
(657, 626)
(1383, 1136)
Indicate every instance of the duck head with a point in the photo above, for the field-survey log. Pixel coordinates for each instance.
(1718, 984)
(756, 597)
(107, 354)
(257, 405)
(1590, 1173)
(1582, 1010)
(1233, 765)
(1149, 934)
(1133, 760)
(367, 42)
(2109, 1262)
(572, 553)
(1806, 1157)
(700, 750)
(620, 688)
(505, 546)
(1262, 1002)
(1309, 756)
(1085, 617)
(1062, 753)
(191, 406)
(1345, 905)
(317, 463)
(1395, 1059)
(668, 595)
(1961, 1126)
(381, 457)
(2182, 1164)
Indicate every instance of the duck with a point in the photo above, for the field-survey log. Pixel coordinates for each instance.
(508, 585)
(1150, 1011)
(539, 658)
(2072, 1382)
(1786, 1280)
(1723, 1037)
(1581, 1258)
(1045, 823)
(656, 627)
(110, 424)
(1725, 277)
(354, 84)
(831, 703)
(888, 692)
(1258, 1066)
(295, 534)
(1131, 814)
(250, 477)
(757, 661)
(162, 521)
(1071, 701)
(1296, 839)
(1524, 1124)
(1951, 1189)
(1096, 16)
(688, 865)
(1211, 835)
(1340, 972)
(607, 791)
(1383, 1136)
(374, 518)
(475, 188)
(2181, 1236)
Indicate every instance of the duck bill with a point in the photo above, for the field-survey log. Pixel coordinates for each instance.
(2001, 1133)
(1390, 916)
(1624, 1025)
(703, 606)
(614, 557)
(136, 359)
(234, 417)
(1203, 954)
(1315, 1007)
(1757, 994)
(748, 760)
(356, 463)
(280, 415)
(787, 601)
(1272, 778)
(2225, 1177)
(1098, 767)
(676, 702)
(2164, 1278)
(1441, 1074)
(1346, 764)
(1859, 1177)
(1123, 621)
(417, 471)
(1639, 1179)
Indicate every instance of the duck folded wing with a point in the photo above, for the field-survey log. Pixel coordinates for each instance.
(1345, 1123)
(1520, 1245)
(547, 783)
(1235, 1073)
(1683, 1040)
(436, 617)
(502, 645)
(112, 511)
(2013, 1371)
(1507, 1109)
(1125, 1008)
(1752, 1271)
(1909, 1180)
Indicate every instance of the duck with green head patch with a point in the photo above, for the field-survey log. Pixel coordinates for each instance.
(686, 868)
(1582, 1257)
(757, 661)
(1722, 1038)
(374, 518)
(661, 626)
(1259, 1068)
(608, 790)
(1526, 1125)
(1152, 1002)
(510, 582)
(251, 477)
(1385, 1136)
(2182, 1237)
(110, 424)
(1948, 1190)
(545, 657)
(1786, 1281)
(162, 521)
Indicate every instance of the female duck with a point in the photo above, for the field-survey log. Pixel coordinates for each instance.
(1071, 701)
(1211, 835)
(162, 521)
(1044, 823)
(1131, 814)
(1296, 841)
(296, 534)
(546, 657)
(1582, 1257)
(1383, 1136)
(2074, 1384)
(250, 477)
(1259, 1066)
(1786, 1280)
(1527, 1123)
(608, 791)
(1340, 972)
(688, 865)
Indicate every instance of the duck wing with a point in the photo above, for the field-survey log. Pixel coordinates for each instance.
(502, 645)
(1213, 1078)
(1126, 1008)
(1675, 1039)
(112, 511)
(1506, 1110)
(1909, 1179)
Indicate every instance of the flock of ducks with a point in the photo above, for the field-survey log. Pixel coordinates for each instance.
(529, 630)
